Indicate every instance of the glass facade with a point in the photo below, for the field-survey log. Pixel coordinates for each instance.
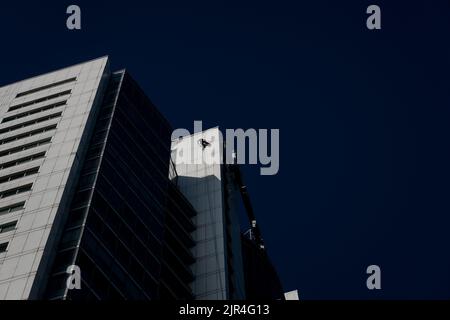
(128, 228)
(261, 278)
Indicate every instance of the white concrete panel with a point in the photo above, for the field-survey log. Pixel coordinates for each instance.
(32, 241)
(199, 176)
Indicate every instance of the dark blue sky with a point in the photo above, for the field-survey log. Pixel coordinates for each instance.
(363, 116)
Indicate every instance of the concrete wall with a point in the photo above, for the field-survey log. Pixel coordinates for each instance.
(200, 180)
(24, 266)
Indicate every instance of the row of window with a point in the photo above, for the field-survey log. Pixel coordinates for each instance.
(30, 103)
(8, 226)
(24, 147)
(16, 162)
(34, 111)
(28, 134)
(48, 86)
(18, 175)
(12, 208)
(31, 122)
(10, 192)
(14, 191)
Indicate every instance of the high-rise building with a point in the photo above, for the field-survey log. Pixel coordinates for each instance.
(46, 125)
(228, 263)
(203, 180)
(87, 180)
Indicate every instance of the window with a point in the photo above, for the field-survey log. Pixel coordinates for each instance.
(29, 103)
(8, 226)
(12, 208)
(14, 191)
(3, 247)
(28, 134)
(18, 175)
(34, 111)
(30, 123)
(16, 162)
(27, 146)
(48, 86)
